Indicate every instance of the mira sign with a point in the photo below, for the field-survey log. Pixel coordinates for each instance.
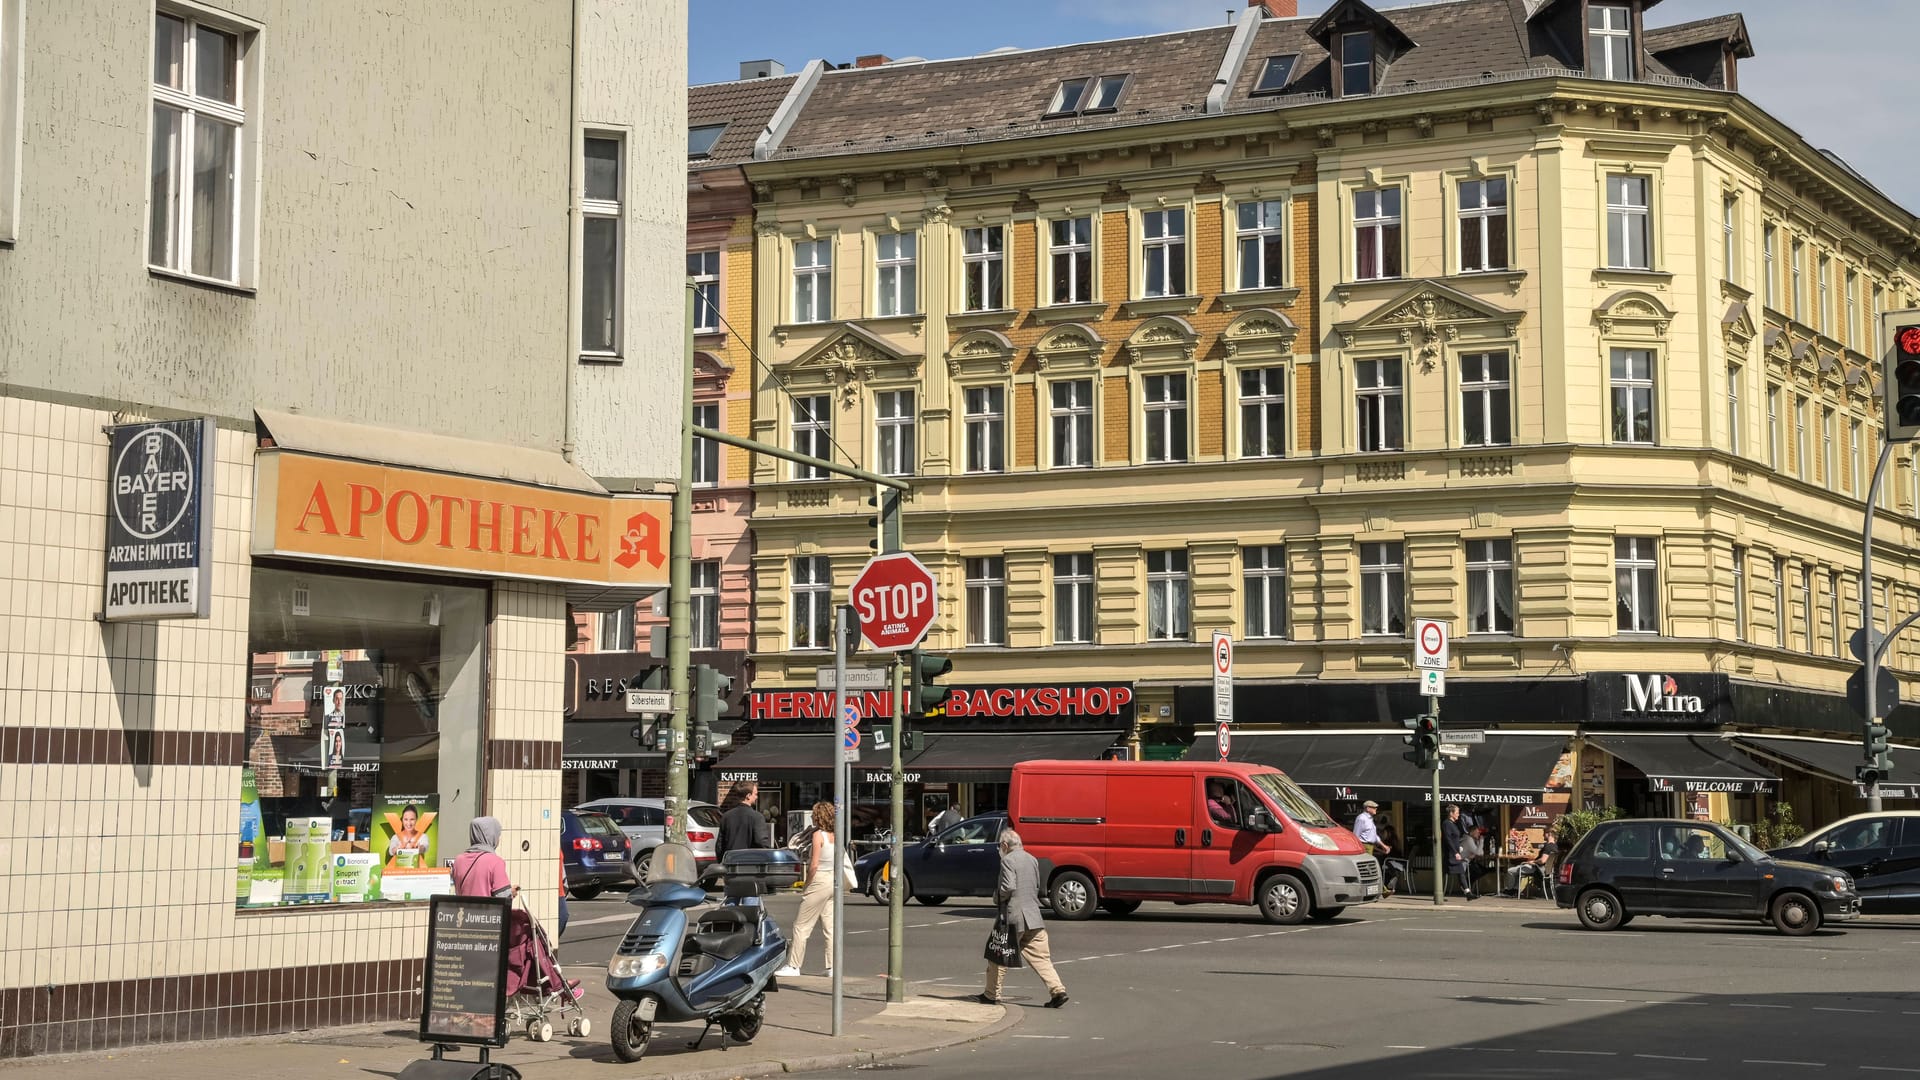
(159, 520)
(1660, 695)
(1659, 698)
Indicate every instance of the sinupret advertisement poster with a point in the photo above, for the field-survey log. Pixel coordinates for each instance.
(406, 836)
(356, 877)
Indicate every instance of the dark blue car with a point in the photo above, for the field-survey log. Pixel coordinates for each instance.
(963, 860)
(595, 852)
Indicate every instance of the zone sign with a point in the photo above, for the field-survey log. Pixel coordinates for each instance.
(894, 598)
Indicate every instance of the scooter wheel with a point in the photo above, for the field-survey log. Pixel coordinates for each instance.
(630, 1033)
(582, 1027)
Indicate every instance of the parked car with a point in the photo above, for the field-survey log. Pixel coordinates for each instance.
(645, 823)
(595, 853)
(1695, 870)
(1881, 852)
(961, 860)
(1117, 833)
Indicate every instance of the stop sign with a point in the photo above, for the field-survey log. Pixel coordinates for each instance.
(894, 598)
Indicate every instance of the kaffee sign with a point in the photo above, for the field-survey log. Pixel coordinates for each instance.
(358, 512)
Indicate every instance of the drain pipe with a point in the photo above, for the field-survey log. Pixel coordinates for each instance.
(574, 190)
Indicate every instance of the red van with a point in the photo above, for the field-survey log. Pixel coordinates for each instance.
(1111, 834)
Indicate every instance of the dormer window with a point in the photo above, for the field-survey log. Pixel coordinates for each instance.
(1610, 42)
(1087, 95)
(1356, 65)
(1277, 73)
(700, 139)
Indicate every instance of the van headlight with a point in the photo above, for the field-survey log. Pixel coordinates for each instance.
(1319, 839)
(629, 967)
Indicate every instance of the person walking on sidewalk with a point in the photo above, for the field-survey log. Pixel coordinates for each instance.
(816, 901)
(1364, 829)
(1019, 900)
(1453, 841)
(742, 826)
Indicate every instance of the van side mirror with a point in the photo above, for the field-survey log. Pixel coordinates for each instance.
(1261, 820)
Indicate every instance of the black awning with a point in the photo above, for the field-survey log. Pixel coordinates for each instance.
(989, 758)
(605, 744)
(782, 757)
(1507, 768)
(1688, 762)
(1832, 758)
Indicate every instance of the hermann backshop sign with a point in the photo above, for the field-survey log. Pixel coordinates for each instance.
(159, 520)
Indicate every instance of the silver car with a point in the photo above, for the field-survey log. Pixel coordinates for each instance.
(645, 823)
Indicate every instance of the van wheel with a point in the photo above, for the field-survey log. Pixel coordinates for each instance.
(1283, 900)
(1073, 896)
(1119, 907)
(1599, 910)
(1326, 914)
(1795, 915)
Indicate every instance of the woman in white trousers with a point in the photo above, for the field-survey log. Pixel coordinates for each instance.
(816, 900)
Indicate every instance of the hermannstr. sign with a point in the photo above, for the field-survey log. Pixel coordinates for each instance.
(159, 520)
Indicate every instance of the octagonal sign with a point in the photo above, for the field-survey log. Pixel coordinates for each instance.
(894, 598)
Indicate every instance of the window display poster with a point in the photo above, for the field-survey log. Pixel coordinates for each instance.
(336, 666)
(406, 837)
(252, 844)
(333, 740)
(356, 877)
(309, 871)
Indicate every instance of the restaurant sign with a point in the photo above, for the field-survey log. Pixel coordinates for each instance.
(1659, 697)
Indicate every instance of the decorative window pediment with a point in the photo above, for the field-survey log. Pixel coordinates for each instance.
(1736, 326)
(846, 359)
(1163, 339)
(1070, 345)
(1260, 334)
(710, 373)
(1633, 313)
(1859, 384)
(1427, 314)
(982, 352)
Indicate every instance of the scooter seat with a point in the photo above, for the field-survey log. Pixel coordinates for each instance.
(724, 933)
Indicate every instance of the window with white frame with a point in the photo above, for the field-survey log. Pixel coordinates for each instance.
(1489, 586)
(1263, 412)
(1629, 223)
(1796, 259)
(1631, 386)
(1827, 456)
(812, 280)
(10, 50)
(1483, 225)
(615, 630)
(1801, 457)
(1822, 287)
(1383, 588)
(1833, 613)
(1164, 415)
(197, 221)
(1729, 236)
(983, 258)
(1773, 425)
(1356, 65)
(893, 432)
(812, 433)
(895, 264)
(1070, 417)
(985, 423)
(1261, 243)
(703, 599)
(812, 603)
(1163, 252)
(1636, 580)
(1768, 270)
(1264, 575)
(600, 244)
(704, 268)
(1850, 328)
(1857, 457)
(1780, 603)
(1610, 41)
(1376, 234)
(1070, 259)
(1874, 309)
(987, 600)
(1072, 598)
(1486, 399)
(1377, 394)
(1806, 606)
(1733, 408)
(1739, 593)
(706, 452)
(1169, 596)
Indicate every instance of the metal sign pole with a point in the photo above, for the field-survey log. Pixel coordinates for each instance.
(839, 807)
(1439, 862)
(896, 900)
(1867, 617)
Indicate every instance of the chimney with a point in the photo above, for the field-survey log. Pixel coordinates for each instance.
(761, 69)
(1277, 9)
(872, 60)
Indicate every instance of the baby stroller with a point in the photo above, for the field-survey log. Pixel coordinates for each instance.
(538, 992)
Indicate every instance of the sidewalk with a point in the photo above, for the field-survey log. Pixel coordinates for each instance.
(793, 1039)
(1487, 902)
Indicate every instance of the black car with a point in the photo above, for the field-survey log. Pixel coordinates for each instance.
(1695, 870)
(1881, 852)
(962, 860)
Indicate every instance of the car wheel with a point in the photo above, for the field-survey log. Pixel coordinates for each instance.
(1326, 914)
(586, 892)
(642, 863)
(1600, 910)
(1119, 907)
(1073, 896)
(931, 901)
(1795, 914)
(1283, 900)
(880, 887)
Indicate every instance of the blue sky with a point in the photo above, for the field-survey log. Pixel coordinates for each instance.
(1839, 71)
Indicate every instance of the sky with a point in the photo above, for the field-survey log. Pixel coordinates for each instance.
(1836, 71)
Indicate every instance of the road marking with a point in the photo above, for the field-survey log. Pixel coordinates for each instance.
(1582, 1053)
(1668, 1057)
(1749, 1005)
(918, 925)
(1390, 1046)
(1488, 1049)
(1771, 1061)
(1657, 1001)
(1438, 930)
(951, 922)
(1887, 1068)
(1043, 1036)
(1600, 1001)
(1821, 1008)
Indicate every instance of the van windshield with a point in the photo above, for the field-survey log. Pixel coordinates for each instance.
(1296, 804)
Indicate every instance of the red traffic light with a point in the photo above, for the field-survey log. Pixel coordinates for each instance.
(1907, 340)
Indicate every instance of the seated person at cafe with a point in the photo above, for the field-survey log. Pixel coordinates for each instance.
(1220, 805)
(1538, 867)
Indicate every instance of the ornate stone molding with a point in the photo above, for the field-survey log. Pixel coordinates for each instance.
(1164, 338)
(1633, 312)
(846, 360)
(1067, 346)
(982, 352)
(1426, 316)
(1261, 333)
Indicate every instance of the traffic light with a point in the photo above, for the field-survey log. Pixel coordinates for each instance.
(925, 697)
(1879, 749)
(1901, 383)
(1425, 742)
(709, 701)
(885, 523)
(1868, 775)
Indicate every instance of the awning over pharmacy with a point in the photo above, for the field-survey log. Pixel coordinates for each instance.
(1689, 763)
(1507, 768)
(1832, 758)
(422, 450)
(989, 757)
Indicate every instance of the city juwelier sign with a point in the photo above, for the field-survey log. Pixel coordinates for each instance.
(159, 520)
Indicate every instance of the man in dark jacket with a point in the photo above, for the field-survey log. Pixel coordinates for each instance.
(744, 826)
(1453, 842)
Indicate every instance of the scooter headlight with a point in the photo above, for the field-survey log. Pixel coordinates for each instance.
(631, 967)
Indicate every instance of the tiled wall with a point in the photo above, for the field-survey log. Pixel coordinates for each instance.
(528, 665)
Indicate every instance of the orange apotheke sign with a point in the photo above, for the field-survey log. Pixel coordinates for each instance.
(353, 511)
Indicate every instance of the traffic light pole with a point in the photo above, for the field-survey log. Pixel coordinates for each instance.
(679, 580)
(840, 808)
(1867, 618)
(1433, 796)
(896, 857)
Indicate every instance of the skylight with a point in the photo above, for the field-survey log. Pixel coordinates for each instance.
(700, 139)
(1276, 74)
(1087, 94)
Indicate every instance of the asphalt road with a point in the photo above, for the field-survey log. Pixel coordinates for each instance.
(1404, 990)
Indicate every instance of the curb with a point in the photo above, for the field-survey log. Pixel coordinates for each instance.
(1009, 1019)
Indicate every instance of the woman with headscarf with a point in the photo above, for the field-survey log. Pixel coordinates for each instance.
(480, 871)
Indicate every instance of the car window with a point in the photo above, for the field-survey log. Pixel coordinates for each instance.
(598, 825)
(971, 832)
(1864, 835)
(620, 814)
(649, 815)
(1683, 842)
(1624, 842)
(708, 816)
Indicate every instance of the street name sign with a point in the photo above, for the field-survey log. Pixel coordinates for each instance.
(650, 701)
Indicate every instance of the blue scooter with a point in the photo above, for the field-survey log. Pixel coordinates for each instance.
(670, 969)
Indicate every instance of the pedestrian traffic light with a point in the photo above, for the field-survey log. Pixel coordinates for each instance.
(925, 697)
(710, 689)
(1900, 383)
